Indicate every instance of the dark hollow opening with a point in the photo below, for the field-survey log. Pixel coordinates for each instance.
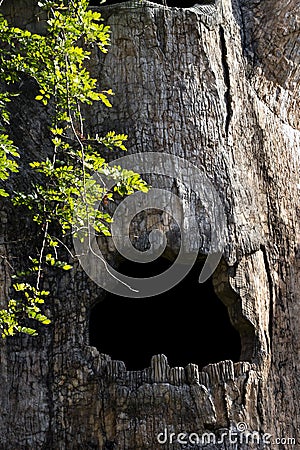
(189, 323)
(171, 3)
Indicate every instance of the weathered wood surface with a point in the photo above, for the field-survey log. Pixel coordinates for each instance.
(218, 86)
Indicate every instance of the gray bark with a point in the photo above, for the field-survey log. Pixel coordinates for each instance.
(217, 86)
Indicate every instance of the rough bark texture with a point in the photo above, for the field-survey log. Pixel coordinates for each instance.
(219, 86)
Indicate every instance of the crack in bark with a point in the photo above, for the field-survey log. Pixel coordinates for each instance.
(226, 75)
(269, 278)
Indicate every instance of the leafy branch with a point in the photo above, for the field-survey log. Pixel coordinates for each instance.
(62, 184)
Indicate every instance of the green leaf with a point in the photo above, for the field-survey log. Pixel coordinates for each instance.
(104, 99)
(28, 330)
(20, 287)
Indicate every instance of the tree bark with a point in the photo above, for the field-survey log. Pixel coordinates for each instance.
(217, 85)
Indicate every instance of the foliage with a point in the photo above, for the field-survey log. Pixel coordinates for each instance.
(7, 149)
(56, 61)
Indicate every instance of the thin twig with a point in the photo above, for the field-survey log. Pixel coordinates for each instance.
(5, 257)
(107, 269)
(41, 256)
(65, 246)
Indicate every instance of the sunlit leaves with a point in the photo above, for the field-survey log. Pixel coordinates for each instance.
(8, 152)
(27, 304)
(64, 185)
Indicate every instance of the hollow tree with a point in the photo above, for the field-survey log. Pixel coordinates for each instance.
(217, 85)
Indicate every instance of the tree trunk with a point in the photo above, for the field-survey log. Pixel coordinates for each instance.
(218, 86)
